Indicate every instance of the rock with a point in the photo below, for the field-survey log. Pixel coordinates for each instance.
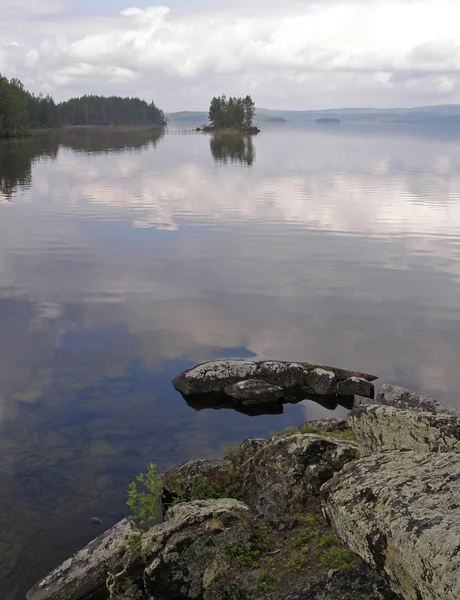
(188, 552)
(400, 397)
(329, 424)
(356, 386)
(254, 391)
(282, 374)
(179, 481)
(83, 576)
(378, 427)
(356, 583)
(288, 471)
(216, 376)
(213, 376)
(322, 382)
(400, 511)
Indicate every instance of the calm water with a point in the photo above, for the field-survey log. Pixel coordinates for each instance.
(125, 258)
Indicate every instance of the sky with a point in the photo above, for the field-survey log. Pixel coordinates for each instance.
(301, 54)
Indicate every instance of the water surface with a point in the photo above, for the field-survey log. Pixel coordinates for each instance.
(128, 256)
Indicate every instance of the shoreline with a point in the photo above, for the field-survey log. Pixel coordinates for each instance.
(301, 511)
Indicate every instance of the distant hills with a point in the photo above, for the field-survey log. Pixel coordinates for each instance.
(445, 114)
(201, 117)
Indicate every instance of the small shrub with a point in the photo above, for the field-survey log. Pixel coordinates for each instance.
(145, 506)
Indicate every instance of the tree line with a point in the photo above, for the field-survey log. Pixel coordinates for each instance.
(21, 110)
(232, 113)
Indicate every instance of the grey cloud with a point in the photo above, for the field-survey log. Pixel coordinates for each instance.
(299, 55)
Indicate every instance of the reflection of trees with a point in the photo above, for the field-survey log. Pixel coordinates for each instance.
(16, 159)
(232, 147)
(108, 140)
(18, 156)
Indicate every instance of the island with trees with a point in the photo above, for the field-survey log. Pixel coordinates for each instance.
(21, 111)
(231, 114)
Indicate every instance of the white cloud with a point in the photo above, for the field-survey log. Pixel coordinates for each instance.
(301, 55)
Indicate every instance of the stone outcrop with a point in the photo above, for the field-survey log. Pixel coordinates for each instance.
(400, 511)
(254, 391)
(379, 427)
(245, 383)
(392, 495)
(185, 554)
(399, 397)
(288, 472)
(355, 386)
(83, 576)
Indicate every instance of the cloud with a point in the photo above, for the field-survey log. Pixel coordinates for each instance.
(299, 55)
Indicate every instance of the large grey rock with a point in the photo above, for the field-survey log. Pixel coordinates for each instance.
(322, 382)
(286, 473)
(400, 511)
(356, 583)
(213, 376)
(356, 386)
(219, 375)
(400, 397)
(254, 391)
(282, 374)
(378, 427)
(185, 554)
(83, 577)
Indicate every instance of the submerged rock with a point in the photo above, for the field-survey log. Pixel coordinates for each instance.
(244, 385)
(400, 511)
(378, 427)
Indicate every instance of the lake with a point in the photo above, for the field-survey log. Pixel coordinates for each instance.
(126, 257)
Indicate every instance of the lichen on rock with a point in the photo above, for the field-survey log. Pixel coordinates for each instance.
(400, 511)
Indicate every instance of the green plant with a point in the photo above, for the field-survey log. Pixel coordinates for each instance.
(145, 505)
(230, 592)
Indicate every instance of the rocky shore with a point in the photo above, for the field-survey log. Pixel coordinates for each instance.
(362, 508)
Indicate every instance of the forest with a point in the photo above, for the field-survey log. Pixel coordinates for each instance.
(21, 111)
(232, 113)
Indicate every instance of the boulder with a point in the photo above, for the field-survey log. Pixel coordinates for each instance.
(254, 391)
(282, 374)
(377, 427)
(356, 386)
(357, 583)
(222, 375)
(287, 473)
(400, 511)
(179, 481)
(83, 577)
(189, 551)
(400, 397)
(213, 376)
(322, 382)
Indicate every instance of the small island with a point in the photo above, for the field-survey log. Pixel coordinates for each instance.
(327, 120)
(231, 114)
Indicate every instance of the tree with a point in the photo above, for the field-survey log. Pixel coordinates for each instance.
(232, 113)
(113, 110)
(13, 108)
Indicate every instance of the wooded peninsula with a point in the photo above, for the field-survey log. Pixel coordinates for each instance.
(21, 110)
